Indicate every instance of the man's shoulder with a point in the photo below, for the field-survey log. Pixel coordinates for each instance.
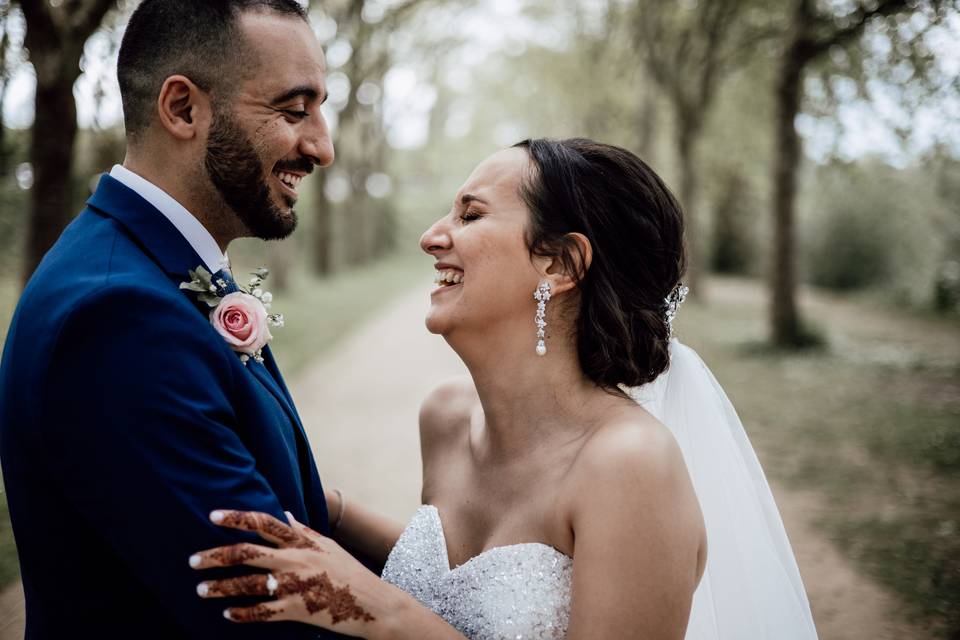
(97, 278)
(93, 261)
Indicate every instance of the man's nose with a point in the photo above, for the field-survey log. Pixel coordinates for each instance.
(316, 143)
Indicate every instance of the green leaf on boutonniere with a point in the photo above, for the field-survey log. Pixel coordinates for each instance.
(194, 286)
(211, 299)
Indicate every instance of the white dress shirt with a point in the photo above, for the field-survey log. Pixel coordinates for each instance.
(185, 222)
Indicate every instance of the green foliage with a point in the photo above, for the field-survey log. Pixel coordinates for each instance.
(852, 248)
(871, 225)
(734, 244)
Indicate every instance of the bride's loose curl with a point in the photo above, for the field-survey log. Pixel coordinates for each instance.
(635, 227)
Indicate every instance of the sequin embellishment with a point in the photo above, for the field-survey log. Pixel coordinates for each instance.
(516, 592)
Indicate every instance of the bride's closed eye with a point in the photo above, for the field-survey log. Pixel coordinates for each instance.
(470, 215)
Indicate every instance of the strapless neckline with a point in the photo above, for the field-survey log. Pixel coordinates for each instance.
(506, 592)
(434, 512)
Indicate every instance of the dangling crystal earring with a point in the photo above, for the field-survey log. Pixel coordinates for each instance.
(541, 295)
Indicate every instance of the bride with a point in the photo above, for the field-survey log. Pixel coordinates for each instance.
(572, 485)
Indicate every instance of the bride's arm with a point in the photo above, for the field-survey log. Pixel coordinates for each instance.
(639, 535)
(361, 530)
(313, 580)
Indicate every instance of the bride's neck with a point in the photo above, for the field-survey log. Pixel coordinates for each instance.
(527, 400)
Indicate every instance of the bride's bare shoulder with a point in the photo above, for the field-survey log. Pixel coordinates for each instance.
(445, 412)
(630, 450)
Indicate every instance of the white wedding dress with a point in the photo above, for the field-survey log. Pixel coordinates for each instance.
(751, 587)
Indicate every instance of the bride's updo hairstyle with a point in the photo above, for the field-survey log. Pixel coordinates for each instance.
(635, 227)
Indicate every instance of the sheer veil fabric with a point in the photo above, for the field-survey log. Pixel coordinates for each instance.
(751, 587)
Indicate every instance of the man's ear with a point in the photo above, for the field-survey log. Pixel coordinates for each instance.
(183, 107)
(562, 277)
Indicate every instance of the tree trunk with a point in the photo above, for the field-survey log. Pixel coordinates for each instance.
(323, 228)
(784, 318)
(648, 124)
(51, 154)
(55, 37)
(686, 150)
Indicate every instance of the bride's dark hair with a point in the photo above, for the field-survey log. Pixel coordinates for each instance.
(635, 227)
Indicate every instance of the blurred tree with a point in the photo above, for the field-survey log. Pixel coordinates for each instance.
(5, 7)
(55, 36)
(366, 27)
(815, 30)
(732, 238)
(688, 48)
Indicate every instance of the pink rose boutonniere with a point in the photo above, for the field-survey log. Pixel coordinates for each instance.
(240, 317)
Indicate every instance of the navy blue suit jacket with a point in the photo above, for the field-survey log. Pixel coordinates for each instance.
(125, 419)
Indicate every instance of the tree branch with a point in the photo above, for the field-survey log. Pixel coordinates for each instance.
(39, 21)
(88, 16)
(862, 17)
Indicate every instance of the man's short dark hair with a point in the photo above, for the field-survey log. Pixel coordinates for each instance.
(199, 39)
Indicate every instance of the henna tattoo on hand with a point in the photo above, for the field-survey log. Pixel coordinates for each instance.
(236, 554)
(267, 524)
(253, 585)
(257, 613)
(318, 593)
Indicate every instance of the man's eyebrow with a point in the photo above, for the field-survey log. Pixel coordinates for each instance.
(467, 198)
(310, 93)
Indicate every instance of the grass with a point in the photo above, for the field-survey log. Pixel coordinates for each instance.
(870, 421)
(318, 313)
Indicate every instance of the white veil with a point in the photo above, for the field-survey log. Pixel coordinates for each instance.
(751, 588)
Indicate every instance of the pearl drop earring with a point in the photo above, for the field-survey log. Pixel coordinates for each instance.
(541, 295)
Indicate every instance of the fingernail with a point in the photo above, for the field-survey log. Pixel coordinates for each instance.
(216, 517)
(195, 560)
(290, 518)
(226, 614)
(203, 589)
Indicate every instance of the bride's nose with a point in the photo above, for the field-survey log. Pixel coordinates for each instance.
(436, 238)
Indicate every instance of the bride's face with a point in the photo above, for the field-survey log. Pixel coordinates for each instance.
(481, 253)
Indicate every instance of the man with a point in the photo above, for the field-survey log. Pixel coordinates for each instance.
(126, 418)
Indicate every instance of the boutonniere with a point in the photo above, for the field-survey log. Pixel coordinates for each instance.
(241, 317)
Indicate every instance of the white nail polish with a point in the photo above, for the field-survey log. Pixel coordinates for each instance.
(290, 518)
(216, 517)
(194, 561)
(226, 614)
(203, 589)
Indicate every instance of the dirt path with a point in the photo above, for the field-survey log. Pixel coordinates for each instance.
(360, 405)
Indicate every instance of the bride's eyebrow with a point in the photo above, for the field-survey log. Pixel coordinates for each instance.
(467, 198)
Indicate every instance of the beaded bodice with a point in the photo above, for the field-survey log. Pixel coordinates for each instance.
(516, 591)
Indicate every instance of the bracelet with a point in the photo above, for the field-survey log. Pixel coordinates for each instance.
(343, 507)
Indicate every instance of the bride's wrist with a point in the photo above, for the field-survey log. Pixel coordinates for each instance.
(399, 615)
(335, 509)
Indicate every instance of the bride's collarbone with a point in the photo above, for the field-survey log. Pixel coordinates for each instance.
(475, 525)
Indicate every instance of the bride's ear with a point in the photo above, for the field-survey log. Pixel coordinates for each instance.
(566, 270)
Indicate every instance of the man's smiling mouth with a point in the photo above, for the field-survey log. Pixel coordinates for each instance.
(289, 179)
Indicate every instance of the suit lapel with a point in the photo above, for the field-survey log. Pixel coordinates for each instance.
(164, 244)
(261, 373)
(149, 228)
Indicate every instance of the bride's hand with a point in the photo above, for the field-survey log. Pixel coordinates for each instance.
(312, 578)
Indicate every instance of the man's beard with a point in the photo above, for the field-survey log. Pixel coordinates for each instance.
(238, 174)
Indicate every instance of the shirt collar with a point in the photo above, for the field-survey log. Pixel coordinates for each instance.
(184, 221)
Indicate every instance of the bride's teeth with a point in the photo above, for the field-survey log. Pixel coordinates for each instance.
(448, 277)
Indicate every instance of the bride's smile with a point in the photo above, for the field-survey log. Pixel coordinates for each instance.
(485, 275)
